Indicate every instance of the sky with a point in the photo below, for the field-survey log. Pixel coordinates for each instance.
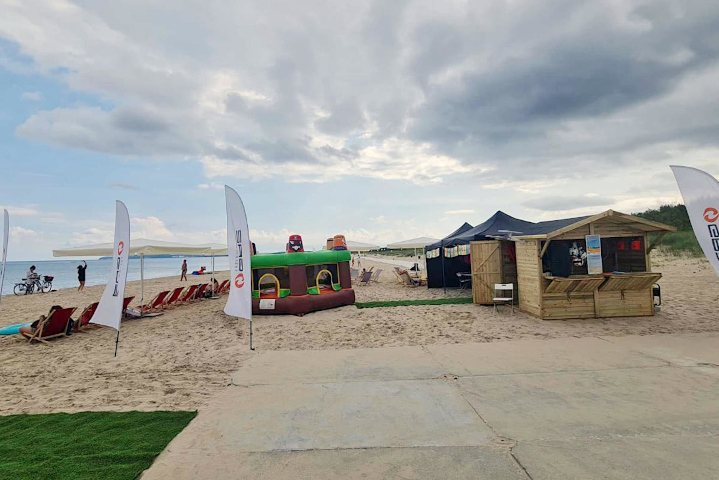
(382, 121)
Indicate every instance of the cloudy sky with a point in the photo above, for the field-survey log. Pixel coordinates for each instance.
(380, 120)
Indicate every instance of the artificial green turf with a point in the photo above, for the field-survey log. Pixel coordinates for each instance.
(87, 445)
(404, 303)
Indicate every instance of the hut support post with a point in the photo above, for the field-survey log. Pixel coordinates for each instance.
(544, 248)
(656, 242)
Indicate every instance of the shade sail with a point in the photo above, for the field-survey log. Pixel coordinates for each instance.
(360, 247)
(419, 242)
(139, 246)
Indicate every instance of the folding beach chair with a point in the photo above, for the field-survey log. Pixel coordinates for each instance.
(354, 274)
(375, 275)
(172, 298)
(83, 320)
(156, 303)
(398, 274)
(55, 325)
(465, 280)
(200, 291)
(224, 286)
(366, 277)
(126, 303)
(411, 282)
(500, 295)
(189, 293)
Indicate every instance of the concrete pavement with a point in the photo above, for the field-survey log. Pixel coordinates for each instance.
(610, 407)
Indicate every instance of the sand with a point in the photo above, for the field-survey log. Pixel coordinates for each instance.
(178, 360)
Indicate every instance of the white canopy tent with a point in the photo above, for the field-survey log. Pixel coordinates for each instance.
(415, 243)
(214, 249)
(360, 247)
(142, 247)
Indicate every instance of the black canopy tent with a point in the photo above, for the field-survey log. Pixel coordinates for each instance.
(442, 271)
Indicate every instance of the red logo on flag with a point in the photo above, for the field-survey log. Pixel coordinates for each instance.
(711, 214)
(120, 248)
(240, 280)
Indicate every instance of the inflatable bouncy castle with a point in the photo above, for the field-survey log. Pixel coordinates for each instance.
(299, 282)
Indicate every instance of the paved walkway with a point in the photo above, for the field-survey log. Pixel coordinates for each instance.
(589, 408)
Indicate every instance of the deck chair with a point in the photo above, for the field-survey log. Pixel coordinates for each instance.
(156, 303)
(189, 293)
(83, 320)
(500, 295)
(354, 274)
(200, 291)
(172, 298)
(366, 277)
(126, 303)
(55, 325)
(224, 285)
(375, 275)
(465, 280)
(409, 281)
(398, 275)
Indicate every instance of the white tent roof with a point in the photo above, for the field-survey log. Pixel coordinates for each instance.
(140, 246)
(419, 242)
(215, 248)
(360, 247)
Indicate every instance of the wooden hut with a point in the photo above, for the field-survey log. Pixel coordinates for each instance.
(554, 270)
(493, 261)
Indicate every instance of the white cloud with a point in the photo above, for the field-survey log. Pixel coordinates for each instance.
(32, 96)
(459, 212)
(27, 211)
(151, 228)
(213, 185)
(20, 232)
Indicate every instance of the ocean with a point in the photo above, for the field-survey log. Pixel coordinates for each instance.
(98, 271)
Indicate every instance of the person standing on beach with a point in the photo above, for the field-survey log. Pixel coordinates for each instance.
(81, 275)
(184, 271)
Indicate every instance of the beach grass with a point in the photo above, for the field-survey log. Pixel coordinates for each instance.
(87, 445)
(405, 303)
(681, 242)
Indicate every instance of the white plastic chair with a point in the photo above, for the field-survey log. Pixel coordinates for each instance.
(500, 297)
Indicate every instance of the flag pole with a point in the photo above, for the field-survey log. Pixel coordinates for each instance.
(117, 339)
(251, 347)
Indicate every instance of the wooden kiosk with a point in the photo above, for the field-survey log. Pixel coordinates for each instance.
(553, 280)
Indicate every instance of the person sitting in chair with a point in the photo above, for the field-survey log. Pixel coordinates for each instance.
(28, 332)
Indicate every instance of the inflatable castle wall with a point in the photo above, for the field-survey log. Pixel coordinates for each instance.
(299, 282)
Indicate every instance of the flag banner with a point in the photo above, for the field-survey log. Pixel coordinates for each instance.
(700, 192)
(239, 303)
(6, 235)
(109, 311)
(432, 253)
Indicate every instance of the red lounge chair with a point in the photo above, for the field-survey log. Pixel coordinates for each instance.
(85, 317)
(55, 325)
(156, 303)
(200, 291)
(189, 293)
(126, 304)
(174, 296)
(224, 286)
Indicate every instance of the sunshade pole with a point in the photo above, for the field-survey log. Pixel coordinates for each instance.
(117, 339)
(212, 282)
(142, 283)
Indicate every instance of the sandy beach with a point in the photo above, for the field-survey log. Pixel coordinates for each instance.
(178, 360)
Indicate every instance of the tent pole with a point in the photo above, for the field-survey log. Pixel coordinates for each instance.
(444, 284)
(142, 283)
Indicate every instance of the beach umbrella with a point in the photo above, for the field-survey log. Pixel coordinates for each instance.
(214, 249)
(360, 246)
(138, 247)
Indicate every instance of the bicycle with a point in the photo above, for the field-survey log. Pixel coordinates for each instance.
(41, 284)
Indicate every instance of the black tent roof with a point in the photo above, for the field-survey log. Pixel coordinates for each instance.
(500, 221)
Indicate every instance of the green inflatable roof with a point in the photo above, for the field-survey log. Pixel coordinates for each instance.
(272, 260)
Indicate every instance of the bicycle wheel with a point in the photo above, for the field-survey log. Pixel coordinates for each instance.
(19, 289)
(46, 287)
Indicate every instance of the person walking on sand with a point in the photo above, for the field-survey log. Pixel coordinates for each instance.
(184, 271)
(81, 275)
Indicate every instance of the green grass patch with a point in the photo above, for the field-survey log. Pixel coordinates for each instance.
(87, 445)
(682, 242)
(404, 303)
